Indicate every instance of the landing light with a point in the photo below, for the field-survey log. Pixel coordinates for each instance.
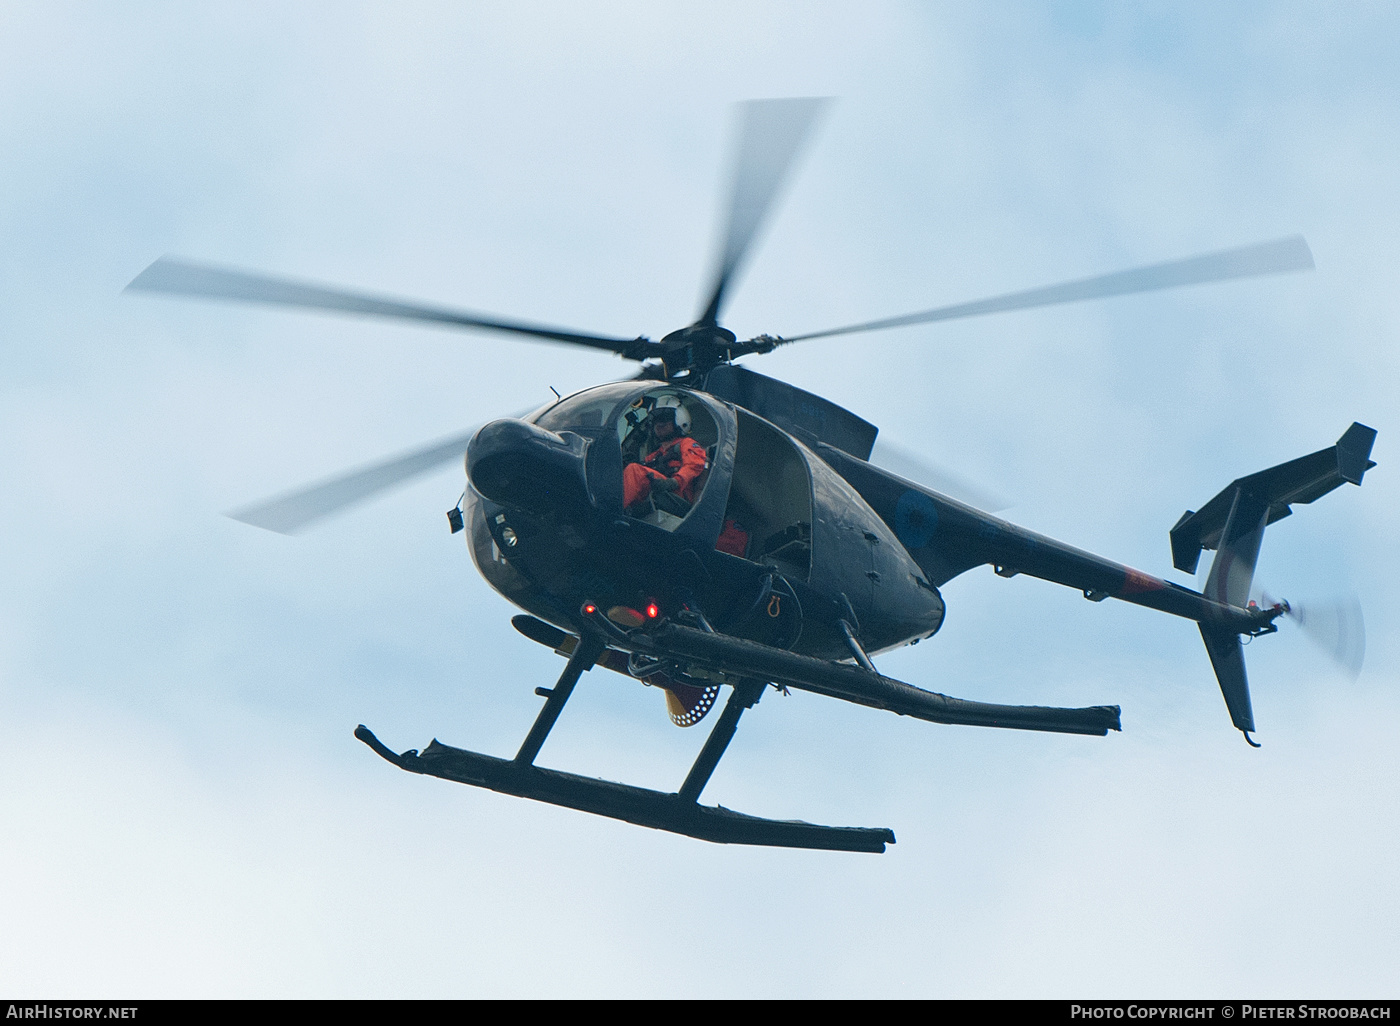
(625, 616)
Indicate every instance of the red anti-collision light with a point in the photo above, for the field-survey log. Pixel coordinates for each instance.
(589, 609)
(653, 611)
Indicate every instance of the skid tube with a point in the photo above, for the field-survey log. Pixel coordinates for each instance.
(677, 813)
(638, 805)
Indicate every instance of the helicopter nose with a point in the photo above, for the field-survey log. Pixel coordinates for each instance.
(526, 467)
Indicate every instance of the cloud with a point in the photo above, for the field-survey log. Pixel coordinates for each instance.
(187, 813)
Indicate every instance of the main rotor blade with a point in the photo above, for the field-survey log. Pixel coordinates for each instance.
(292, 511)
(771, 132)
(1277, 257)
(914, 467)
(186, 279)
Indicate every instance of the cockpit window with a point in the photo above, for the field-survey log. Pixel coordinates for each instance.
(668, 443)
(585, 412)
(633, 427)
(667, 438)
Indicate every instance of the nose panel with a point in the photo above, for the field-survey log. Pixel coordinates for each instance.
(526, 467)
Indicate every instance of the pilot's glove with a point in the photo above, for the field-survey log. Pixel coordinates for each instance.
(665, 484)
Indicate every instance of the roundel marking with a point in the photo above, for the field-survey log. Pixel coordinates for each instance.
(915, 519)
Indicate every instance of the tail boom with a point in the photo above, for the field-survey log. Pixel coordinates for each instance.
(947, 537)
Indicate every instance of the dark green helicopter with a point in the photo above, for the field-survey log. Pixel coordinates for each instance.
(774, 553)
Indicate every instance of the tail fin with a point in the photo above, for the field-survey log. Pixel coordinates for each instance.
(1227, 657)
(1233, 524)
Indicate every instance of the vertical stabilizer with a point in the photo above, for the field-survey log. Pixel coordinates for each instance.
(1233, 524)
(1232, 572)
(1227, 657)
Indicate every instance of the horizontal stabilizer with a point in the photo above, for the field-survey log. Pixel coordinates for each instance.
(1277, 489)
(631, 804)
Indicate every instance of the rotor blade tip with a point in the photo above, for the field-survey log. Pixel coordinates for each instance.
(252, 518)
(1305, 255)
(141, 281)
(1291, 252)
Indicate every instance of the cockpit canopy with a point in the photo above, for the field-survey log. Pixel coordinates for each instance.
(585, 412)
(620, 419)
(762, 510)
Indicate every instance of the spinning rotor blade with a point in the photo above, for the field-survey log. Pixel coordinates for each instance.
(771, 133)
(1338, 629)
(914, 467)
(293, 511)
(186, 279)
(1277, 257)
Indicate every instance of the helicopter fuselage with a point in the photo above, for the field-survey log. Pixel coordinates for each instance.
(549, 532)
(830, 537)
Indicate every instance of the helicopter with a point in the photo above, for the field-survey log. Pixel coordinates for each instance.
(775, 553)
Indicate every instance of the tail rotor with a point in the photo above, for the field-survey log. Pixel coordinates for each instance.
(1337, 628)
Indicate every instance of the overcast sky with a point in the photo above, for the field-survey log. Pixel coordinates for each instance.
(183, 809)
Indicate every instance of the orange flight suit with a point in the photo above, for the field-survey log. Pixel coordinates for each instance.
(681, 457)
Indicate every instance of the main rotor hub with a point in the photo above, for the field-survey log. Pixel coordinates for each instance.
(696, 349)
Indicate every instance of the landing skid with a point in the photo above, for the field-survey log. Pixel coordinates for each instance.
(638, 805)
(678, 812)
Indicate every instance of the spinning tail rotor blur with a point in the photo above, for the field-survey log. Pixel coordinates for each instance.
(1337, 628)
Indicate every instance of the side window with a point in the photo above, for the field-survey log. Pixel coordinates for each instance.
(769, 515)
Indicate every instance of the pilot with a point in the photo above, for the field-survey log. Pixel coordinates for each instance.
(675, 462)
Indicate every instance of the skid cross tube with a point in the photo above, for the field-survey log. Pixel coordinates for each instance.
(678, 812)
(585, 654)
(746, 694)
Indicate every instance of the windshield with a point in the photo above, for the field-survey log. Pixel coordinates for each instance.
(585, 412)
(663, 434)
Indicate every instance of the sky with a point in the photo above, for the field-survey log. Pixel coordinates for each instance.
(184, 811)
